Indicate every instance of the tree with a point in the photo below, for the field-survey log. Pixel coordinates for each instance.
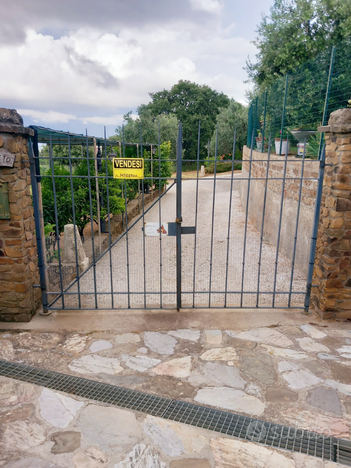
(190, 103)
(80, 194)
(149, 126)
(293, 33)
(234, 116)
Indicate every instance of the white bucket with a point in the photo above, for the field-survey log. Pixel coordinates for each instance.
(300, 149)
(285, 144)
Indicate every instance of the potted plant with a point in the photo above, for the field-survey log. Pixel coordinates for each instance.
(285, 144)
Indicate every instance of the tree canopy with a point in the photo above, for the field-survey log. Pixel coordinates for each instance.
(294, 32)
(189, 103)
(229, 118)
(149, 125)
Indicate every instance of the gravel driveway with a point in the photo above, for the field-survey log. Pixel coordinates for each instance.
(163, 277)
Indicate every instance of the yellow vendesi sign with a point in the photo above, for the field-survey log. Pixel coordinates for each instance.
(128, 168)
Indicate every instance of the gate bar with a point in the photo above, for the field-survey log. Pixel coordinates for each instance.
(108, 218)
(315, 230)
(127, 244)
(56, 220)
(213, 215)
(280, 223)
(143, 216)
(159, 207)
(246, 220)
(38, 233)
(74, 216)
(91, 218)
(297, 223)
(229, 219)
(179, 216)
(263, 217)
(196, 206)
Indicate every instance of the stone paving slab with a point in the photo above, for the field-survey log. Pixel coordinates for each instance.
(260, 372)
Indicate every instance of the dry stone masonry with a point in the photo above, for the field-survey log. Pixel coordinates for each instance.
(332, 273)
(18, 253)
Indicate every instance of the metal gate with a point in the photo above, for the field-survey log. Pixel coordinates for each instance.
(218, 243)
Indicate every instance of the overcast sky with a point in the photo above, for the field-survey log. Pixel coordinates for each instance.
(77, 64)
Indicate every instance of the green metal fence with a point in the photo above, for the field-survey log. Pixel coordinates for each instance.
(302, 100)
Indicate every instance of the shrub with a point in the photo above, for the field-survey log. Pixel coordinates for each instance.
(222, 167)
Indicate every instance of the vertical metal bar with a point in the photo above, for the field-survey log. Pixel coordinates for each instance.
(124, 155)
(262, 225)
(280, 224)
(127, 243)
(264, 121)
(108, 219)
(120, 155)
(246, 219)
(179, 216)
(74, 217)
(326, 102)
(208, 150)
(152, 172)
(40, 200)
(283, 116)
(196, 207)
(143, 189)
(138, 181)
(256, 115)
(97, 193)
(249, 127)
(229, 219)
(297, 224)
(159, 207)
(91, 219)
(41, 263)
(51, 162)
(213, 212)
(315, 230)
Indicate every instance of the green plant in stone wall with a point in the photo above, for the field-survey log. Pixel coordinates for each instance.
(80, 193)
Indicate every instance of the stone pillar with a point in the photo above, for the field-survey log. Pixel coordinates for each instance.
(18, 253)
(332, 271)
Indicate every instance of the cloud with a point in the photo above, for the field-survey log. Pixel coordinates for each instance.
(63, 16)
(49, 117)
(88, 63)
(115, 119)
(85, 69)
(211, 6)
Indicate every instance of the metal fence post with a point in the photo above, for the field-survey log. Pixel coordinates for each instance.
(255, 121)
(315, 230)
(264, 121)
(249, 127)
(179, 217)
(326, 102)
(41, 253)
(283, 116)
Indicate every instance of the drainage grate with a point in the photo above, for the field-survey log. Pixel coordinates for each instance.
(242, 427)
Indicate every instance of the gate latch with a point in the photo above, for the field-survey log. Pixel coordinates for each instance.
(172, 229)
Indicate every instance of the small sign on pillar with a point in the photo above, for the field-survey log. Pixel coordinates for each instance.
(7, 159)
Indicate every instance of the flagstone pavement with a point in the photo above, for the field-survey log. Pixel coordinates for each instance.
(297, 375)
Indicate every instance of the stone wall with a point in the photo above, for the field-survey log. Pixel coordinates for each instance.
(332, 272)
(273, 202)
(18, 253)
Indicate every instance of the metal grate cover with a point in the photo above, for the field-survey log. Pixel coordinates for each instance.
(242, 427)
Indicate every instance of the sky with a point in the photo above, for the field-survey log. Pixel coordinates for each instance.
(82, 64)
